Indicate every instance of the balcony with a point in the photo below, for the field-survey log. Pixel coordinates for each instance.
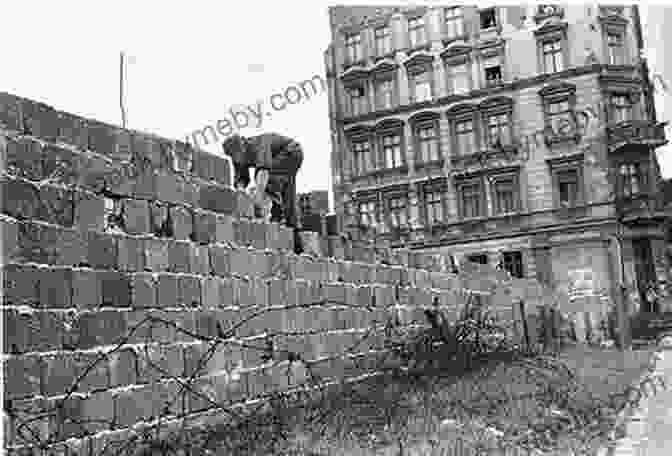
(642, 209)
(492, 158)
(636, 132)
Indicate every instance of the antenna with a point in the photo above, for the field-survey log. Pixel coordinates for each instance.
(121, 89)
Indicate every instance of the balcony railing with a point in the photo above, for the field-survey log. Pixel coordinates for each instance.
(640, 208)
(636, 132)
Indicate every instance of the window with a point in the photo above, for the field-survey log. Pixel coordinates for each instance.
(621, 109)
(434, 207)
(353, 47)
(416, 31)
(568, 187)
(513, 262)
(454, 22)
(367, 213)
(504, 195)
(428, 143)
(422, 86)
(464, 134)
(383, 40)
(480, 258)
(398, 211)
(361, 151)
(385, 93)
(392, 150)
(493, 71)
(459, 75)
(631, 176)
(498, 130)
(488, 18)
(357, 100)
(471, 198)
(552, 55)
(559, 114)
(615, 48)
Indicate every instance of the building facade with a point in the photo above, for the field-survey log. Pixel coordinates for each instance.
(521, 135)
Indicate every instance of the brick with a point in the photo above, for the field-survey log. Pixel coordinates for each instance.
(39, 120)
(182, 222)
(123, 367)
(36, 331)
(220, 260)
(242, 233)
(87, 291)
(179, 256)
(98, 411)
(27, 423)
(60, 373)
(20, 199)
(218, 198)
(143, 290)
(116, 288)
(101, 250)
(136, 216)
(130, 253)
(144, 185)
(55, 287)
(211, 292)
(242, 262)
(199, 259)
(168, 291)
(245, 205)
(89, 211)
(159, 220)
(50, 245)
(10, 111)
(157, 362)
(105, 327)
(205, 227)
(224, 230)
(9, 235)
(258, 235)
(206, 323)
(156, 255)
(22, 376)
(189, 289)
(132, 406)
(21, 285)
(169, 188)
(57, 205)
(24, 158)
(102, 137)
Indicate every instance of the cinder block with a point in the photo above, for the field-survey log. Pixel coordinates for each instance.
(133, 406)
(182, 222)
(159, 221)
(218, 198)
(20, 199)
(211, 292)
(242, 262)
(116, 288)
(21, 284)
(105, 327)
(24, 158)
(144, 290)
(56, 287)
(205, 227)
(136, 216)
(220, 260)
(157, 362)
(56, 205)
(98, 411)
(102, 250)
(189, 289)
(22, 376)
(224, 231)
(89, 211)
(131, 253)
(199, 259)
(123, 368)
(156, 254)
(60, 373)
(179, 256)
(168, 291)
(245, 205)
(9, 234)
(48, 244)
(29, 423)
(242, 233)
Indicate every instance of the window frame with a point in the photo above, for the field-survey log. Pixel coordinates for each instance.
(553, 32)
(506, 259)
(497, 106)
(377, 81)
(386, 38)
(559, 93)
(364, 104)
(425, 122)
(413, 30)
(374, 215)
(448, 20)
(454, 57)
(614, 24)
(356, 46)
(544, 54)
(563, 164)
(381, 134)
(613, 107)
(499, 178)
(495, 17)
(404, 209)
(477, 182)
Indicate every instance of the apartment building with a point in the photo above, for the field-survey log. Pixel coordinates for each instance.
(518, 135)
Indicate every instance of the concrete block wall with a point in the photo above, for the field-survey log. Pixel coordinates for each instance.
(136, 285)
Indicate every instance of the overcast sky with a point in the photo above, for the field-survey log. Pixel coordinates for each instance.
(192, 61)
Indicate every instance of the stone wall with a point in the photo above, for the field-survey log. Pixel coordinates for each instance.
(136, 285)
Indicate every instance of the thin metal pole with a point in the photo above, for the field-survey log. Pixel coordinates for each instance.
(121, 89)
